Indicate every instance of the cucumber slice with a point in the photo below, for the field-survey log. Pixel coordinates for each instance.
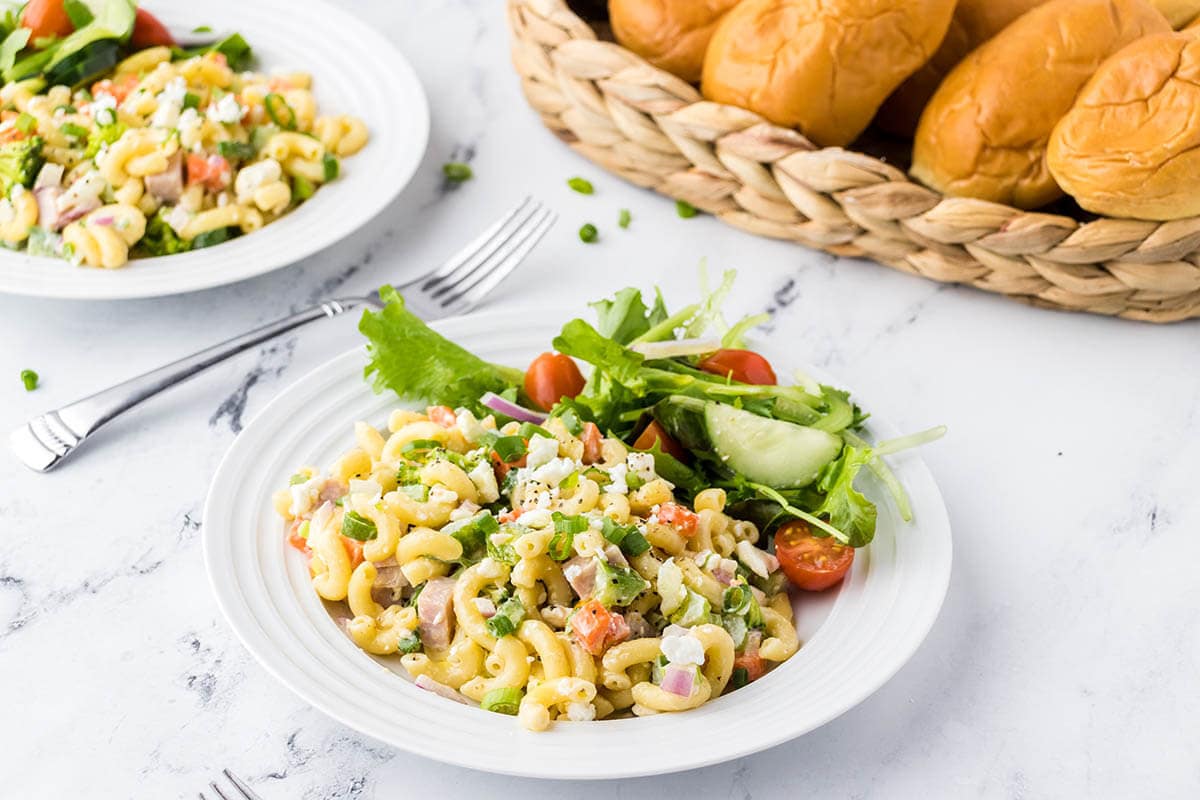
(780, 454)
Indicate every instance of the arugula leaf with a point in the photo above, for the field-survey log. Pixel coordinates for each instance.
(583, 341)
(416, 362)
(845, 507)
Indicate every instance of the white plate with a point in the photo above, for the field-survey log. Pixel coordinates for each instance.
(355, 71)
(854, 638)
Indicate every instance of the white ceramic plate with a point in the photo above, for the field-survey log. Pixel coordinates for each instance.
(854, 638)
(355, 71)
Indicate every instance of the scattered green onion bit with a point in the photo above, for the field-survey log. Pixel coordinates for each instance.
(356, 526)
(510, 448)
(191, 100)
(588, 233)
(624, 218)
(331, 166)
(302, 531)
(457, 171)
(685, 209)
(30, 379)
(279, 111)
(302, 187)
(635, 544)
(74, 131)
(581, 185)
(420, 446)
(502, 701)
(202, 29)
(737, 599)
(740, 677)
(416, 491)
(240, 151)
(508, 616)
(528, 429)
(298, 478)
(26, 123)
(409, 643)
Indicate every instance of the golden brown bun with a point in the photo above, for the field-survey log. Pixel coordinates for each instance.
(985, 131)
(1131, 145)
(670, 34)
(973, 23)
(823, 66)
(1179, 12)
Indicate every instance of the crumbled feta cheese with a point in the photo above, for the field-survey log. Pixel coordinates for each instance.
(642, 464)
(189, 122)
(465, 511)
(485, 482)
(227, 110)
(467, 424)
(170, 104)
(104, 102)
(178, 218)
(617, 484)
(683, 651)
(369, 491)
(541, 450)
(581, 712)
(537, 518)
(555, 471)
(440, 494)
(305, 496)
(175, 91)
(546, 498)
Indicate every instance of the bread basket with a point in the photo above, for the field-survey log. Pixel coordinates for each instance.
(656, 131)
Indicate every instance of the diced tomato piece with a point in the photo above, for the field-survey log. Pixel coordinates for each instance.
(592, 625)
(354, 549)
(13, 134)
(212, 171)
(442, 415)
(656, 434)
(295, 539)
(501, 468)
(683, 520)
(752, 663)
(119, 89)
(593, 443)
(149, 32)
(512, 515)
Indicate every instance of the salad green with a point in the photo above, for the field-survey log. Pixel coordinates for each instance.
(780, 452)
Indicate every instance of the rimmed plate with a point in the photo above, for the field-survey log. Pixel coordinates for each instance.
(855, 638)
(355, 71)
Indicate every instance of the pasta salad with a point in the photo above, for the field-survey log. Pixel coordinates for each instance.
(162, 151)
(559, 548)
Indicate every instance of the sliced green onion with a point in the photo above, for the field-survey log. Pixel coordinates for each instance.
(73, 130)
(739, 678)
(457, 171)
(214, 237)
(416, 491)
(510, 449)
(303, 530)
(240, 151)
(613, 532)
(685, 209)
(635, 544)
(408, 643)
(191, 100)
(299, 478)
(202, 29)
(588, 233)
(356, 526)
(528, 430)
(737, 629)
(562, 544)
(508, 616)
(569, 524)
(737, 599)
(502, 701)
(331, 166)
(581, 185)
(279, 111)
(634, 481)
(569, 482)
(26, 123)
(420, 446)
(302, 187)
(408, 473)
(504, 552)
(624, 218)
(30, 379)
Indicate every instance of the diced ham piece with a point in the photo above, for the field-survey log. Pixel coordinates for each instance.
(47, 200)
(389, 583)
(440, 689)
(167, 185)
(725, 571)
(332, 490)
(435, 613)
(580, 572)
(555, 616)
(614, 555)
(638, 627)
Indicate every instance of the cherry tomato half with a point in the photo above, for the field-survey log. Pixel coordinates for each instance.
(655, 433)
(811, 563)
(149, 32)
(551, 377)
(593, 443)
(46, 18)
(744, 366)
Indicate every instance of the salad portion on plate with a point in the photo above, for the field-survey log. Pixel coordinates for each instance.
(555, 546)
(116, 142)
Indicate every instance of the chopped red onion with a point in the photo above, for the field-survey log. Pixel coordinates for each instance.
(47, 200)
(510, 409)
(677, 347)
(486, 607)
(678, 680)
(105, 220)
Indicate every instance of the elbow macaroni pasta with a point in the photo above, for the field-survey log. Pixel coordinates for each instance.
(558, 626)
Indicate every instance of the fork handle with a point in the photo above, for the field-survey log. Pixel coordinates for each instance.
(45, 441)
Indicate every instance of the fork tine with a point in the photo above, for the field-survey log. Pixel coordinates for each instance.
(500, 268)
(217, 789)
(464, 255)
(246, 791)
(439, 286)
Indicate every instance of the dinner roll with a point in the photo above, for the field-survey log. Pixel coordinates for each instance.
(823, 66)
(1130, 147)
(985, 131)
(670, 34)
(973, 23)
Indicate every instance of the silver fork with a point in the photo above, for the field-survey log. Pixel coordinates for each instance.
(455, 287)
(244, 792)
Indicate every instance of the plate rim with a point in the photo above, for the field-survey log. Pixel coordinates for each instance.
(401, 72)
(938, 524)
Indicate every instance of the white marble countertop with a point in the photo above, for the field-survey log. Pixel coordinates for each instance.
(1064, 663)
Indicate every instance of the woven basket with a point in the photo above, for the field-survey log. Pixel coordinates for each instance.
(656, 131)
